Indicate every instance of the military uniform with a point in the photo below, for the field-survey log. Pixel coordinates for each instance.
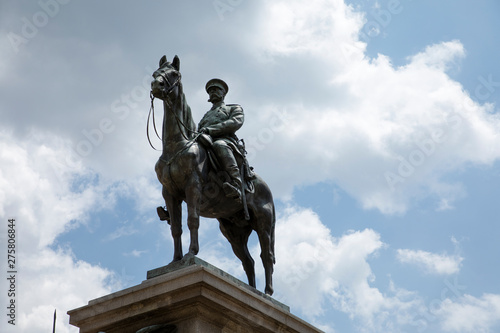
(221, 122)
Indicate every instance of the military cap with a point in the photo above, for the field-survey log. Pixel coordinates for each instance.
(217, 83)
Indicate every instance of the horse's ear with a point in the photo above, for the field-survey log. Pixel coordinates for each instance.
(163, 60)
(176, 63)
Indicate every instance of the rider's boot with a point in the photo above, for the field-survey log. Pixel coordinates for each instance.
(232, 189)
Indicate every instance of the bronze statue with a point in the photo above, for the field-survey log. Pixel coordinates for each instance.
(207, 169)
(221, 122)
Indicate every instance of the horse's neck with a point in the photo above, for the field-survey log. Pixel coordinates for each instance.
(177, 125)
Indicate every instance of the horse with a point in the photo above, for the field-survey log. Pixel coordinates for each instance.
(186, 175)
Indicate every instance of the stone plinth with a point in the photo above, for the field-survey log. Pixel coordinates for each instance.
(195, 297)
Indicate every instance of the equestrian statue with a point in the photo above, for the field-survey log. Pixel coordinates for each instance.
(206, 167)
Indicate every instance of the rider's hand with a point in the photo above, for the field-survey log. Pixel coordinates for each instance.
(204, 130)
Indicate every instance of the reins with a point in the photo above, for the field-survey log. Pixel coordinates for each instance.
(171, 105)
(152, 112)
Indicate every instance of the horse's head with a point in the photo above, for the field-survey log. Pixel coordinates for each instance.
(166, 79)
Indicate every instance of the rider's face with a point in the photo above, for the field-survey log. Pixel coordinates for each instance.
(215, 94)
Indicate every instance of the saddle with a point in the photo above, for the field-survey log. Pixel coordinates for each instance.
(246, 171)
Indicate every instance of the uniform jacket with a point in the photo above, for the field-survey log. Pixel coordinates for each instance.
(223, 121)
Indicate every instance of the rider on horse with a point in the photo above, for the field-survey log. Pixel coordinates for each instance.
(221, 122)
(189, 172)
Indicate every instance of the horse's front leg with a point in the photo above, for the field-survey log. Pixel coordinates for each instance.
(193, 199)
(174, 207)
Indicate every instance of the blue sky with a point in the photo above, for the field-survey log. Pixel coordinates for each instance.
(375, 123)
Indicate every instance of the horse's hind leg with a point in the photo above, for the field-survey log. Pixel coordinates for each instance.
(238, 238)
(267, 261)
(265, 231)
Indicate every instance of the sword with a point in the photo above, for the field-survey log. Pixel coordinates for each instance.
(243, 196)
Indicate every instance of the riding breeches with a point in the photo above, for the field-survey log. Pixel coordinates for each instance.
(225, 156)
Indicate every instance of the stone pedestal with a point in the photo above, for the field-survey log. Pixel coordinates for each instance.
(192, 296)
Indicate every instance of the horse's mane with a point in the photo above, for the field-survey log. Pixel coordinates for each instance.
(187, 116)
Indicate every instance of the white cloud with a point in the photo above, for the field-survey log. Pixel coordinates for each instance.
(386, 135)
(320, 27)
(432, 263)
(470, 314)
(37, 176)
(136, 253)
(316, 273)
(439, 56)
(122, 231)
(51, 280)
(48, 194)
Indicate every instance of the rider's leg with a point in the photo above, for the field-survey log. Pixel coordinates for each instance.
(226, 158)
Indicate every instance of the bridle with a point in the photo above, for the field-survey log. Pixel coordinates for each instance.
(165, 94)
(172, 86)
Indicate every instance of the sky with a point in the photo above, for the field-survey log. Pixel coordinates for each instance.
(375, 123)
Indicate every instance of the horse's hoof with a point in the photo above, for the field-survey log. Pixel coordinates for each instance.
(193, 252)
(177, 258)
(269, 291)
(188, 256)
